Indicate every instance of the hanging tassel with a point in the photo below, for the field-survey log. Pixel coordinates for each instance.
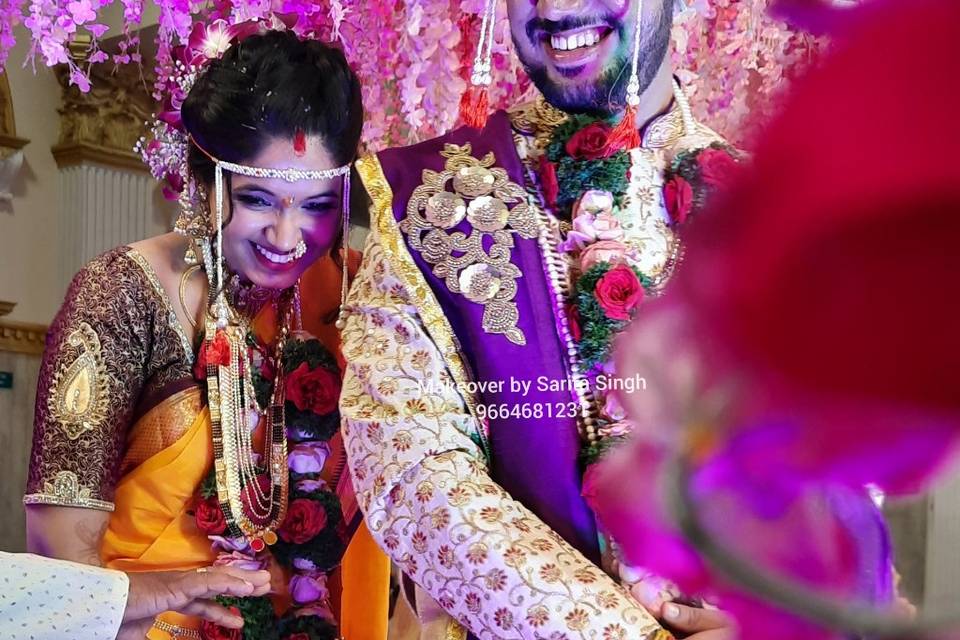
(625, 136)
(474, 106)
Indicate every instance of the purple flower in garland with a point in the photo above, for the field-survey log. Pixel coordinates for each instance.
(308, 588)
(308, 457)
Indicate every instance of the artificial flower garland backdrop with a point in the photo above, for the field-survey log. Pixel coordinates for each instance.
(413, 56)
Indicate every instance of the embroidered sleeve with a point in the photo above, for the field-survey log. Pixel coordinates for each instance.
(91, 376)
(429, 501)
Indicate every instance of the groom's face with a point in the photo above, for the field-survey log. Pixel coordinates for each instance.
(578, 52)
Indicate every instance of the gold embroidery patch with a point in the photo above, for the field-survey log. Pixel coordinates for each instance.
(78, 398)
(65, 490)
(476, 265)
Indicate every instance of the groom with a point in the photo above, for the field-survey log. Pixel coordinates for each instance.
(502, 262)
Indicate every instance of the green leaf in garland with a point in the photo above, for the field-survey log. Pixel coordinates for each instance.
(595, 451)
(208, 487)
(259, 619)
(296, 352)
(574, 177)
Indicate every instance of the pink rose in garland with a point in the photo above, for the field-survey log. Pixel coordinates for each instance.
(240, 561)
(678, 198)
(619, 292)
(612, 251)
(317, 390)
(305, 519)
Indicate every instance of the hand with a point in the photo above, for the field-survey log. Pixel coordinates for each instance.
(698, 623)
(190, 593)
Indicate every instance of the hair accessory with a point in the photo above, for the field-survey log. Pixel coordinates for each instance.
(474, 104)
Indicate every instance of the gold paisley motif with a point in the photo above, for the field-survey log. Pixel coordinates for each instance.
(79, 401)
(496, 209)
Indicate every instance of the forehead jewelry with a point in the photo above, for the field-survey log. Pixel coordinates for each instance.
(289, 175)
(625, 134)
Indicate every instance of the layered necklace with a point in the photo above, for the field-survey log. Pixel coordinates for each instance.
(252, 495)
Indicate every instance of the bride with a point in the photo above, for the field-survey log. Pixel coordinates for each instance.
(185, 416)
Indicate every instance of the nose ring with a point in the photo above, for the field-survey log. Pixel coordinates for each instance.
(300, 249)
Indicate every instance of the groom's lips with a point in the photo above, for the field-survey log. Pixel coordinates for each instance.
(575, 51)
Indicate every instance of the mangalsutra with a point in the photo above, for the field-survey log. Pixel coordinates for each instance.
(250, 509)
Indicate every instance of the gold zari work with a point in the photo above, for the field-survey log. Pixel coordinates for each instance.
(65, 490)
(79, 398)
(496, 209)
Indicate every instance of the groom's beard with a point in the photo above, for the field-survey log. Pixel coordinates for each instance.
(608, 94)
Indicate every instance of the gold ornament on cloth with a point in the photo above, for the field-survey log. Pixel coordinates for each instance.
(496, 209)
(80, 391)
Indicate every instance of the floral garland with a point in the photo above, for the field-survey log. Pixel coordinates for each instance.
(413, 58)
(312, 538)
(585, 176)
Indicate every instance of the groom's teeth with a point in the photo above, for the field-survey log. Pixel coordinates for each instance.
(276, 257)
(586, 38)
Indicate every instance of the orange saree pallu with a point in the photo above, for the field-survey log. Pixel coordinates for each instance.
(169, 454)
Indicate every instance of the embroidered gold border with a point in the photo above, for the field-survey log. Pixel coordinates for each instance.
(172, 319)
(396, 250)
(66, 491)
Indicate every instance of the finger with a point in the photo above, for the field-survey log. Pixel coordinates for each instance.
(214, 613)
(137, 630)
(693, 619)
(215, 583)
(255, 578)
(647, 595)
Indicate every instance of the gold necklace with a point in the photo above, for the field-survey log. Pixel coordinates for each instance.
(250, 510)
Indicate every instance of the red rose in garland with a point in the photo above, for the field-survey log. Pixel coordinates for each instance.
(678, 198)
(548, 181)
(305, 519)
(297, 636)
(590, 143)
(717, 167)
(210, 518)
(317, 390)
(213, 631)
(619, 292)
(573, 322)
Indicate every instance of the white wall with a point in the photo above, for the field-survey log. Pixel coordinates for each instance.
(29, 226)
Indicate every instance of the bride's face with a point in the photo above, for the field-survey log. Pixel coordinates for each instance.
(271, 216)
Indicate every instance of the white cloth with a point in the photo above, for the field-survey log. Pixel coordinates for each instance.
(46, 599)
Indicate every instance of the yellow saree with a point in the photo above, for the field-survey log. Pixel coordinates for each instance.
(169, 452)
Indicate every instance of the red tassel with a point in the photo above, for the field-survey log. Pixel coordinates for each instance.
(625, 136)
(474, 106)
